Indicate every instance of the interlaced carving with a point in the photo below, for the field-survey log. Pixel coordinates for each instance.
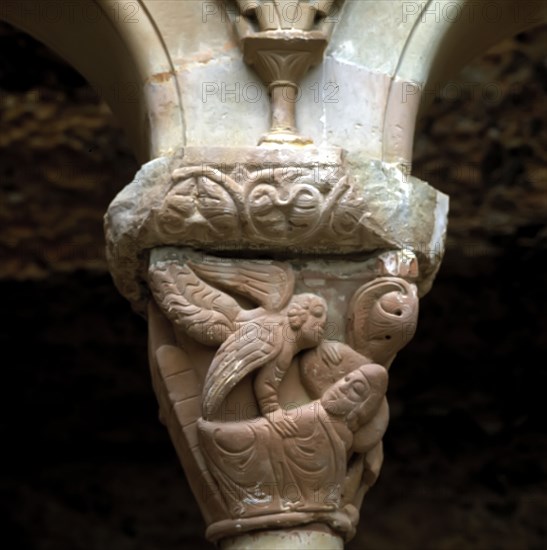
(276, 205)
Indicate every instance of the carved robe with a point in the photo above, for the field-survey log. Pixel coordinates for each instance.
(260, 472)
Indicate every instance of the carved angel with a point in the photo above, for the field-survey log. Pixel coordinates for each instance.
(264, 338)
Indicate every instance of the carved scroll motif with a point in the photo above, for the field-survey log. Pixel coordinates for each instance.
(240, 330)
(383, 318)
(285, 204)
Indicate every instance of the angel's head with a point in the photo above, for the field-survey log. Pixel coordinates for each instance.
(307, 316)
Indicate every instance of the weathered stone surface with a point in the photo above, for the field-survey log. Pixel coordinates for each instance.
(285, 540)
(240, 321)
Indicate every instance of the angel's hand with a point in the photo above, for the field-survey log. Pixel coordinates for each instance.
(284, 424)
(330, 354)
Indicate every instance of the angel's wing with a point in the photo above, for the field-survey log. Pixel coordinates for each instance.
(205, 313)
(241, 354)
(268, 283)
(382, 318)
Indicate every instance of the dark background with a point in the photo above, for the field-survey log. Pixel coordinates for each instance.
(88, 466)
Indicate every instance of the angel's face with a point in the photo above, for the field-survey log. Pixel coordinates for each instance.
(313, 328)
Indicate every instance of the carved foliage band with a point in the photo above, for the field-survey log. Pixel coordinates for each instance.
(284, 204)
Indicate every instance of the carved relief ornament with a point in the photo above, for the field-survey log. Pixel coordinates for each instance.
(276, 423)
